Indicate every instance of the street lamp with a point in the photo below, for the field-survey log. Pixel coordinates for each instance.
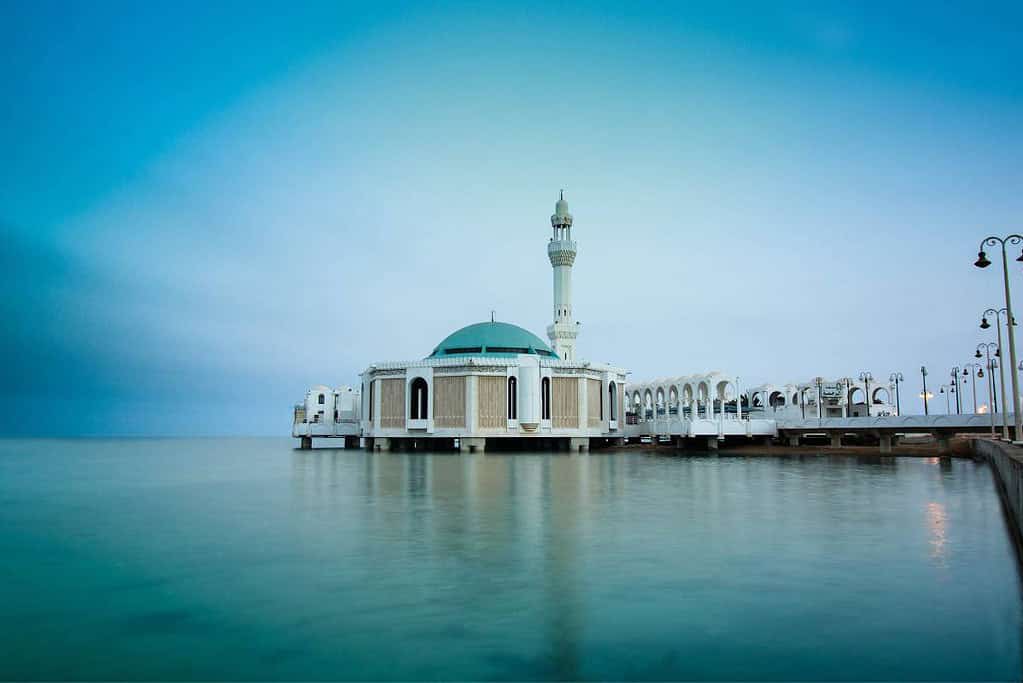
(923, 373)
(992, 394)
(973, 368)
(955, 384)
(941, 390)
(848, 395)
(982, 262)
(866, 378)
(999, 314)
(819, 381)
(897, 378)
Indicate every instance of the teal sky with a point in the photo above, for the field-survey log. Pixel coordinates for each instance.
(206, 209)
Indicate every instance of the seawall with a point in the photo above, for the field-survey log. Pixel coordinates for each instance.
(1007, 462)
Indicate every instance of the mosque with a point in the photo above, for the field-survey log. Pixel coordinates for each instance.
(497, 385)
(487, 384)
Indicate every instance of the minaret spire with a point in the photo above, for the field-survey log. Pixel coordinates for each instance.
(561, 251)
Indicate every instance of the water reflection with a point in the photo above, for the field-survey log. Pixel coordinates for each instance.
(540, 561)
(937, 521)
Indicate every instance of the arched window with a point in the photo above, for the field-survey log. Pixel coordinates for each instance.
(513, 403)
(612, 401)
(321, 401)
(418, 399)
(545, 398)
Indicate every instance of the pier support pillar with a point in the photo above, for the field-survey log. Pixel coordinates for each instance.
(712, 443)
(944, 447)
(472, 445)
(577, 445)
(794, 440)
(381, 444)
(886, 443)
(836, 439)
(680, 443)
(306, 443)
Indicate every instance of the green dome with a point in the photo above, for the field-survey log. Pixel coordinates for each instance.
(492, 339)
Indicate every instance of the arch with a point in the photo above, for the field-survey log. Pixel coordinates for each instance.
(545, 398)
(612, 400)
(659, 401)
(321, 399)
(513, 399)
(702, 398)
(854, 399)
(648, 405)
(887, 396)
(419, 394)
(727, 396)
(776, 399)
(758, 399)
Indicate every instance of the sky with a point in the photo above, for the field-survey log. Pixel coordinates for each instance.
(206, 208)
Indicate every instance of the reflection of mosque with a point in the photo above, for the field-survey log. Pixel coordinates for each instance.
(526, 514)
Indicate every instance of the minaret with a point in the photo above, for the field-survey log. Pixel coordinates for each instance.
(561, 250)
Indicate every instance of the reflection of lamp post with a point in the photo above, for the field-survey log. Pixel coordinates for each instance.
(865, 377)
(897, 377)
(982, 262)
(923, 373)
(967, 370)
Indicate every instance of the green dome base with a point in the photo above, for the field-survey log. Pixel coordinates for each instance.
(492, 339)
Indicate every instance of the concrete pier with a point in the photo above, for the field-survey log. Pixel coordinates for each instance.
(886, 443)
(576, 445)
(712, 443)
(468, 444)
(1007, 463)
(836, 439)
(306, 443)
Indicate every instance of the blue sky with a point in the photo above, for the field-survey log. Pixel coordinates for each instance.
(206, 209)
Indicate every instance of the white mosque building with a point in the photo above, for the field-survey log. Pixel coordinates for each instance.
(494, 384)
(488, 384)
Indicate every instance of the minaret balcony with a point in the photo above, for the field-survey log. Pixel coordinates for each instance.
(561, 252)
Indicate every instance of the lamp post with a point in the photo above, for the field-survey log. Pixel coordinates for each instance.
(941, 390)
(819, 381)
(992, 401)
(847, 381)
(984, 324)
(866, 378)
(982, 262)
(973, 368)
(923, 374)
(897, 378)
(955, 384)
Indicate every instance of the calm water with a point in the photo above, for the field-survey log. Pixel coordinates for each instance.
(216, 559)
